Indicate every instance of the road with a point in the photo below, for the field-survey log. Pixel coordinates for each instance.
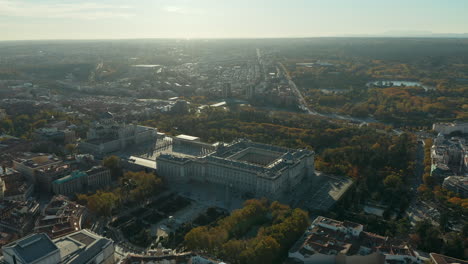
(304, 106)
(419, 166)
(301, 99)
(419, 210)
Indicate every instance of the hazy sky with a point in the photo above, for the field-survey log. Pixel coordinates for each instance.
(90, 19)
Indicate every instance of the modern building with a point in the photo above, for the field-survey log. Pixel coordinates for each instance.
(107, 135)
(260, 169)
(30, 163)
(32, 249)
(82, 247)
(331, 241)
(457, 184)
(80, 181)
(85, 247)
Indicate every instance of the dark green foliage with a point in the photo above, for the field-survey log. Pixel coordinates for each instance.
(280, 227)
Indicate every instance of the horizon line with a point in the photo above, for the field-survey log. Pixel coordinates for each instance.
(357, 36)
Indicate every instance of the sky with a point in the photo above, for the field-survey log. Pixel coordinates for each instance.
(128, 19)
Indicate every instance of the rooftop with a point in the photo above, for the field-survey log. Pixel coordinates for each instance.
(33, 160)
(81, 247)
(142, 162)
(32, 247)
(16, 214)
(326, 240)
(187, 137)
(463, 180)
(60, 217)
(263, 159)
(72, 176)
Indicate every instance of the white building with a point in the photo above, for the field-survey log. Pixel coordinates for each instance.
(263, 170)
(108, 136)
(81, 247)
(84, 247)
(32, 249)
(30, 163)
(447, 128)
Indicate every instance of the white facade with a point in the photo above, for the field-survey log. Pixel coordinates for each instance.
(79, 247)
(107, 136)
(12, 258)
(31, 163)
(447, 128)
(260, 169)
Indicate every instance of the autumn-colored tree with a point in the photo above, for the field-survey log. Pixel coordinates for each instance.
(114, 164)
(70, 148)
(140, 185)
(271, 243)
(100, 203)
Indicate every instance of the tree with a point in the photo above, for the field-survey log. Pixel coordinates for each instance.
(114, 164)
(140, 185)
(233, 248)
(429, 236)
(197, 238)
(443, 220)
(70, 148)
(282, 226)
(6, 126)
(403, 227)
(100, 203)
(266, 250)
(393, 181)
(454, 246)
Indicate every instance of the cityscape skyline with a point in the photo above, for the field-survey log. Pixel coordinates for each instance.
(123, 19)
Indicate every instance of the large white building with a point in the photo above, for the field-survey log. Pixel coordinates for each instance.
(30, 163)
(447, 128)
(82, 247)
(263, 170)
(32, 249)
(107, 135)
